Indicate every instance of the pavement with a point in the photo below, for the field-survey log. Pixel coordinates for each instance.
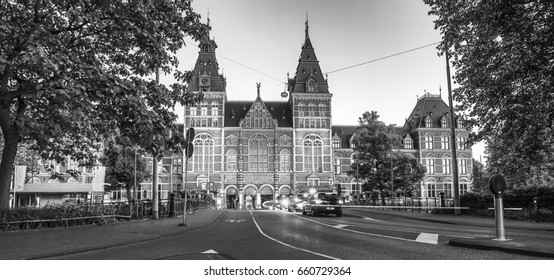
(53, 242)
(523, 246)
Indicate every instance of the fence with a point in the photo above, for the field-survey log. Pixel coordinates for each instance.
(94, 213)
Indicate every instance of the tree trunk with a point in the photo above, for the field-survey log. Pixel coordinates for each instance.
(11, 140)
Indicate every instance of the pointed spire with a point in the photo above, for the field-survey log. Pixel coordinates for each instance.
(258, 85)
(440, 91)
(208, 23)
(307, 27)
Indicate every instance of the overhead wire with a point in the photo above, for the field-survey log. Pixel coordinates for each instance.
(334, 71)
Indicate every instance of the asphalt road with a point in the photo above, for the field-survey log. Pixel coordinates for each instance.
(278, 235)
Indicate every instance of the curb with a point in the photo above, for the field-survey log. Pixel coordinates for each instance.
(506, 246)
(94, 248)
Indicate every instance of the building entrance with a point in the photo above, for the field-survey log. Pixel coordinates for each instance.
(232, 202)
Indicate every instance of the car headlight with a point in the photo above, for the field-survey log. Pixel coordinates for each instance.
(285, 203)
(318, 201)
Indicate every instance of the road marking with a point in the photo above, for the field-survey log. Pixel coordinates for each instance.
(340, 226)
(288, 245)
(211, 251)
(431, 238)
(359, 232)
(235, 221)
(371, 219)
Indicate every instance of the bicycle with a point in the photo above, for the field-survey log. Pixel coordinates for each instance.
(192, 206)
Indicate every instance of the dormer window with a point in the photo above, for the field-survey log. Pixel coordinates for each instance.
(206, 48)
(428, 122)
(460, 123)
(444, 123)
(408, 144)
(311, 86)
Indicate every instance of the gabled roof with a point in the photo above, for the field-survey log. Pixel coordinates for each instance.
(237, 110)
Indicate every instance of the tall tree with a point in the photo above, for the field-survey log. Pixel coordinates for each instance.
(503, 53)
(72, 73)
(374, 145)
(125, 165)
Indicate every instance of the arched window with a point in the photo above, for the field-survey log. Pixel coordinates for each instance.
(431, 187)
(231, 160)
(460, 123)
(258, 147)
(322, 109)
(284, 160)
(311, 109)
(447, 187)
(461, 142)
(203, 153)
(445, 142)
(204, 110)
(446, 164)
(313, 153)
(311, 86)
(301, 109)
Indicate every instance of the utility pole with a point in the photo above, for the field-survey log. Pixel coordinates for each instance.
(452, 137)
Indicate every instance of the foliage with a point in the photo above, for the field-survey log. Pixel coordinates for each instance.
(480, 177)
(503, 53)
(73, 73)
(373, 146)
(122, 162)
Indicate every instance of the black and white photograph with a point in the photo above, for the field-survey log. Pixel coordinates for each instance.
(278, 139)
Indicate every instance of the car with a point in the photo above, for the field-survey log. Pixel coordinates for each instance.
(323, 203)
(296, 203)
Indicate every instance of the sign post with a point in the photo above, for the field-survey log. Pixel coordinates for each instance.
(497, 185)
(189, 149)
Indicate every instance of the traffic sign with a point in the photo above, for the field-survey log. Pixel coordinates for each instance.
(497, 184)
(190, 135)
(189, 149)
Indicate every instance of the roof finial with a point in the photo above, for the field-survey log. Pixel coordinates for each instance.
(307, 24)
(208, 23)
(440, 91)
(258, 85)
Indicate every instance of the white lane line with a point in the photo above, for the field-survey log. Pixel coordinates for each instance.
(359, 232)
(430, 238)
(340, 226)
(211, 251)
(288, 245)
(371, 219)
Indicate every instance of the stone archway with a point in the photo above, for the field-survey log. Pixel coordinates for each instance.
(231, 197)
(265, 194)
(250, 194)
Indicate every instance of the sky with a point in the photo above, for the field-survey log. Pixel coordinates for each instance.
(260, 41)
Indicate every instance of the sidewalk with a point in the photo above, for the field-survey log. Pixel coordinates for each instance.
(34, 244)
(523, 246)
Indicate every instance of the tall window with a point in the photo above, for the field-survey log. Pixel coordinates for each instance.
(258, 153)
(311, 109)
(301, 109)
(204, 110)
(336, 143)
(231, 160)
(311, 86)
(445, 142)
(193, 111)
(463, 166)
(284, 160)
(430, 165)
(203, 153)
(428, 122)
(313, 153)
(448, 189)
(215, 112)
(464, 187)
(431, 189)
(460, 123)
(322, 109)
(446, 162)
(429, 142)
(461, 141)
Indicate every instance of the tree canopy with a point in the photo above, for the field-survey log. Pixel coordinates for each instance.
(375, 147)
(75, 72)
(503, 54)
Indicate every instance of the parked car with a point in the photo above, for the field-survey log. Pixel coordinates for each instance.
(323, 203)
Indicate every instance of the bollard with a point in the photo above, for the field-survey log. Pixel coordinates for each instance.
(499, 215)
